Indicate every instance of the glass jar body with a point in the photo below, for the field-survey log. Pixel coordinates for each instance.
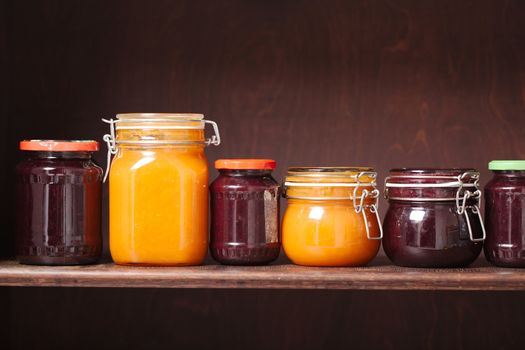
(424, 226)
(426, 234)
(244, 217)
(159, 205)
(328, 233)
(504, 212)
(58, 196)
(331, 218)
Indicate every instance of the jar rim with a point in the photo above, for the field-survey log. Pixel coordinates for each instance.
(452, 184)
(159, 121)
(432, 177)
(329, 170)
(331, 176)
(342, 174)
(433, 171)
(176, 117)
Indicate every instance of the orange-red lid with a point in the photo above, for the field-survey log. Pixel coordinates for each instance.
(59, 145)
(245, 164)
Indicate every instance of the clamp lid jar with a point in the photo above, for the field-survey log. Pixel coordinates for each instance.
(433, 219)
(158, 190)
(332, 216)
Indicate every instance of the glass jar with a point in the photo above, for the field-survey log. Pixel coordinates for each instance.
(158, 189)
(433, 219)
(332, 217)
(245, 212)
(58, 195)
(505, 213)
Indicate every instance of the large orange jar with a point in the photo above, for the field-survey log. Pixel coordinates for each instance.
(331, 218)
(158, 189)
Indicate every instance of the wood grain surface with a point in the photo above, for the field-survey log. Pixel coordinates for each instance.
(376, 83)
(381, 275)
(87, 318)
(380, 83)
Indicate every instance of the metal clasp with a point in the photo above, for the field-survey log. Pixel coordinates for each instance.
(216, 138)
(283, 188)
(461, 204)
(475, 210)
(361, 207)
(111, 143)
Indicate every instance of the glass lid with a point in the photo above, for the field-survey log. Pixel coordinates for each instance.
(432, 177)
(331, 174)
(329, 170)
(160, 116)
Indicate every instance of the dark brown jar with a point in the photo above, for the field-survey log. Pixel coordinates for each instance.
(245, 212)
(58, 194)
(433, 219)
(505, 213)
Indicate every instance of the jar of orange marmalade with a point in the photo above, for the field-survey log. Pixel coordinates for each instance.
(332, 217)
(158, 188)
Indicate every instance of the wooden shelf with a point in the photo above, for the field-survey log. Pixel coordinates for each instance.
(379, 276)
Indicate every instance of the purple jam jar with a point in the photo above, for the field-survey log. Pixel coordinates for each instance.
(245, 212)
(433, 219)
(505, 214)
(58, 195)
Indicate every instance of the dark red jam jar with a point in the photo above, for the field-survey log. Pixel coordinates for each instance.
(245, 212)
(505, 214)
(433, 219)
(58, 194)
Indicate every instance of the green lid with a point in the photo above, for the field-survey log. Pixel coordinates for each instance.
(507, 165)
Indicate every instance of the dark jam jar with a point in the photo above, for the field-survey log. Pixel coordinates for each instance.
(505, 214)
(433, 219)
(245, 212)
(58, 194)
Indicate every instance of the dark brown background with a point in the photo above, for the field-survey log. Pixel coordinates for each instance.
(379, 83)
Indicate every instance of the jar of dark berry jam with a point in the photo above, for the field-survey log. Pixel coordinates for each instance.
(505, 213)
(433, 219)
(245, 212)
(58, 194)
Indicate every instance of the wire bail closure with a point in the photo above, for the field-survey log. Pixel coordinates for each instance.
(112, 142)
(359, 207)
(461, 205)
(463, 194)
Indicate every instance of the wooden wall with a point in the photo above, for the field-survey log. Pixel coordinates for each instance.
(5, 216)
(6, 174)
(378, 83)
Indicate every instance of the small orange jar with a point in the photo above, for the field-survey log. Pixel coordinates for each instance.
(332, 217)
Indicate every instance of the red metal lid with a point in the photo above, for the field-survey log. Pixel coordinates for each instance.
(59, 145)
(245, 164)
